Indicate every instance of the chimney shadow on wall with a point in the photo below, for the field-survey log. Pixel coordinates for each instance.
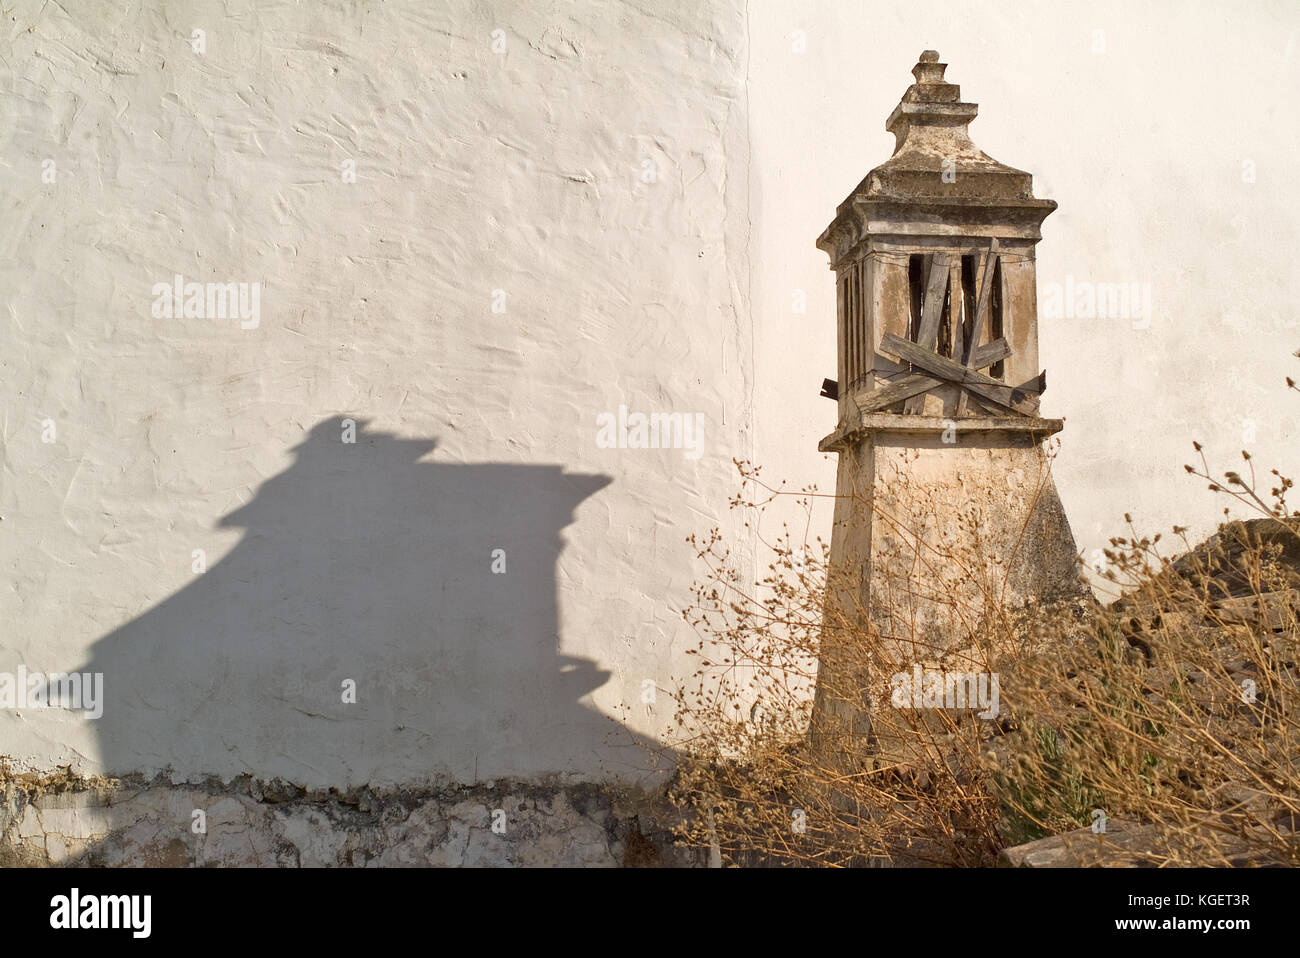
(361, 564)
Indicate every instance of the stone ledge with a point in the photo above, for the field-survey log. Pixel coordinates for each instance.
(898, 424)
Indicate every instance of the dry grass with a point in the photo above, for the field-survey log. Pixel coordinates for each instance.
(1172, 708)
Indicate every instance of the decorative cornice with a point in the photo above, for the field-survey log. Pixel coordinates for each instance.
(937, 182)
(894, 424)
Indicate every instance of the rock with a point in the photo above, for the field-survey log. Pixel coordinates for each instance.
(1130, 845)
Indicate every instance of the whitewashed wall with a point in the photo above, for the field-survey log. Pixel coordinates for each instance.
(587, 161)
(644, 183)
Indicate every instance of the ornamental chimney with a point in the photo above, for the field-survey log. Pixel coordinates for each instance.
(944, 492)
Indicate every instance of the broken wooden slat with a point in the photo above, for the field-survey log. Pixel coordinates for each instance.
(983, 304)
(910, 352)
(926, 359)
(985, 300)
(956, 307)
(1019, 398)
(1012, 397)
(895, 392)
(989, 353)
(932, 309)
(1035, 386)
(927, 334)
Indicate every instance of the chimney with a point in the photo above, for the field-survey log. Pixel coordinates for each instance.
(945, 500)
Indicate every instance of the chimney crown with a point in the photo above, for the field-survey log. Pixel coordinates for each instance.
(936, 174)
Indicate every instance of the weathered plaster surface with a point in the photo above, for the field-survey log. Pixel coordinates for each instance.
(989, 501)
(62, 820)
(525, 171)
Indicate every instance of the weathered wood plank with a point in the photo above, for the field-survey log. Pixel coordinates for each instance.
(932, 362)
(956, 307)
(931, 312)
(895, 392)
(985, 300)
(1019, 398)
(1035, 386)
(989, 353)
(983, 303)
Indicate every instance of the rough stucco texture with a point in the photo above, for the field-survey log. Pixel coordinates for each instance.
(588, 179)
(67, 822)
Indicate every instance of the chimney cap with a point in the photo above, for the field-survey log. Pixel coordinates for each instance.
(937, 182)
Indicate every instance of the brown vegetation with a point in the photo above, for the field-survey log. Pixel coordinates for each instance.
(1168, 714)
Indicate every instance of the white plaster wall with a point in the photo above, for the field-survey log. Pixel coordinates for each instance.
(477, 170)
(522, 171)
(1143, 147)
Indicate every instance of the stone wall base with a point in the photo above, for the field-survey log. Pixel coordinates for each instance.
(62, 819)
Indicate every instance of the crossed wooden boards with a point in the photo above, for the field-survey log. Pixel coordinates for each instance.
(930, 369)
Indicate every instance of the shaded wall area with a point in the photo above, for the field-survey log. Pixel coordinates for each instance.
(365, 565)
